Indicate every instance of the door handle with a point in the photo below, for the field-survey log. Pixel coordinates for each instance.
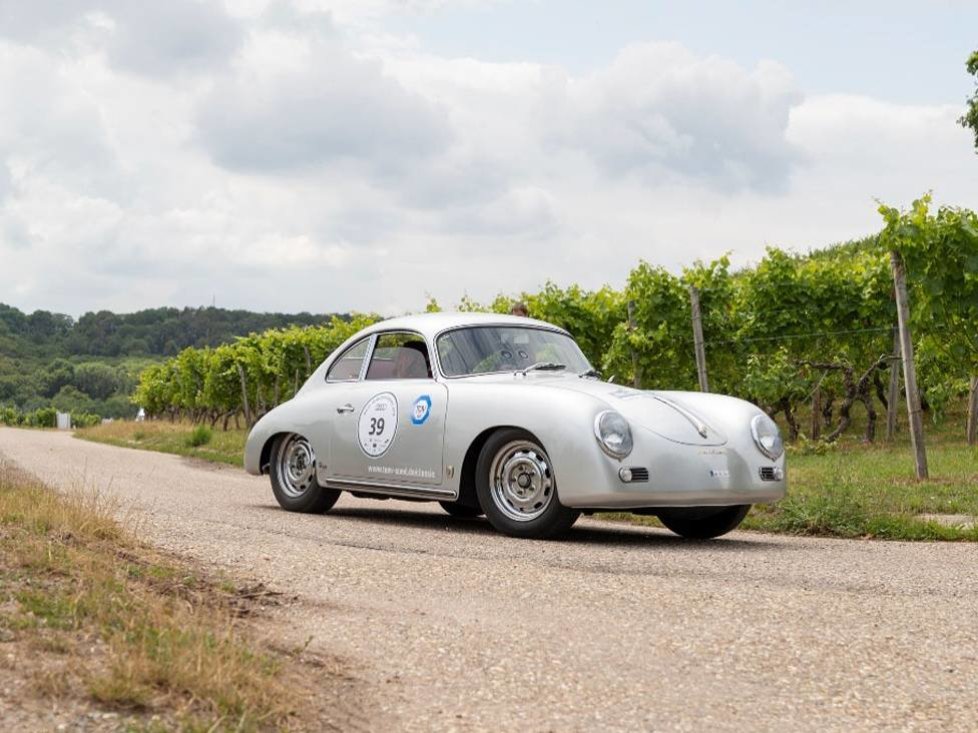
(345, 408)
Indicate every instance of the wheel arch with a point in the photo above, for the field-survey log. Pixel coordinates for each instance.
(265, 459)
(466, 484)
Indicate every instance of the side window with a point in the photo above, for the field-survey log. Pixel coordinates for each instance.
(399, 356)
(347, 367)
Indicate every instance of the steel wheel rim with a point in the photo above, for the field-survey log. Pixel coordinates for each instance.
(521, 481)
(296, 466)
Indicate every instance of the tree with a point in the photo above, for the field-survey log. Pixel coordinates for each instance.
(58, 373)
(970, 117)
(97, 380)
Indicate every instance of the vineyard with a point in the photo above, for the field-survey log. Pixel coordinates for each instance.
(797, 334)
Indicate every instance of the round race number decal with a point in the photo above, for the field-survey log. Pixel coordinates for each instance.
(378, 424)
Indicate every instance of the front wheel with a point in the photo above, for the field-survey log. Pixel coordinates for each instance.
(517, 489)
(293, 474)
(703, 523)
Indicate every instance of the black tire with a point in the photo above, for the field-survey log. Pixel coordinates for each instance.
(305, 496)
(462, 511)
(545, 517)
(703, 523)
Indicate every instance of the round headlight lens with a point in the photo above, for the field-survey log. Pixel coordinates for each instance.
(613, 434)
(767, 436)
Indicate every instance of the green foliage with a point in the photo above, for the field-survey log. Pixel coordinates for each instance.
(102, 353)
(46, 417)
(591, 315)
(200, 435)
(70, 399)
(940, 252)
(661, 340)
(59, 373)
(97, 380)
(773, 377)
(206, 383)
(805, 447)
(9, 416)
(84, 420)
(970, 118)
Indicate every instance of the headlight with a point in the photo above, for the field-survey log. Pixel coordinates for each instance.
(613, 434)
(767, 436)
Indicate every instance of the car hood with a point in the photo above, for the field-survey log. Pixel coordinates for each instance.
(667, 414)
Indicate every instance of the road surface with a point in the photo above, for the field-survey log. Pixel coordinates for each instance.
(447, 625)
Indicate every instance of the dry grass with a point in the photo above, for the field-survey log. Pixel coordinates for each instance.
(114, 622)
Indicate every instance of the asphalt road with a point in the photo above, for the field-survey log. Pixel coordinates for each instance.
(448, 626)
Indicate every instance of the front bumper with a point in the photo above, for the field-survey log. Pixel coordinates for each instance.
(679, 475)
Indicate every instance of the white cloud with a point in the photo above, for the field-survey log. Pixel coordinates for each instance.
(321, 106)
(144, 36)
(47, 125)
(667, 115)
(283, 158)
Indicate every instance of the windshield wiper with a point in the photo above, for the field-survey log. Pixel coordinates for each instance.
(590, 373)
(542, 366)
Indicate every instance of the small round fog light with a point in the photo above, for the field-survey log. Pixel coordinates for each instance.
(625, 474)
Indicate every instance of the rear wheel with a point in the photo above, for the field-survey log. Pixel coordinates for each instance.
(703, 523)
(517, 489)
(462, 511)
(293, 474)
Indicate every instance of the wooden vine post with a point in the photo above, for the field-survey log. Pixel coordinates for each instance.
(893, 393)
(698, 346)
(244, 395)
(973, 412)
(909, 370)
(816, 427)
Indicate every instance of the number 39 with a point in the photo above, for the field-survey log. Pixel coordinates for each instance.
(376, 426)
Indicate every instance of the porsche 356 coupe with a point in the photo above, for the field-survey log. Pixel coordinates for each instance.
(504, 416)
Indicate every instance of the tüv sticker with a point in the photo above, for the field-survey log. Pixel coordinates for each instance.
(421, 410)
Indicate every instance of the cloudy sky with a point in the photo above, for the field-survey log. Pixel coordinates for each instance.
(359, 154)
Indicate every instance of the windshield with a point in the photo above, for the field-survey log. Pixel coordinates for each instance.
(487, 349)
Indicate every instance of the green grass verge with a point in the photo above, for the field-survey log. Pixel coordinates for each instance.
(870, 491)
(183, 439)
(847, 490)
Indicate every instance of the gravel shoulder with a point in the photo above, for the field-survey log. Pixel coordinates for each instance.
(449, 626)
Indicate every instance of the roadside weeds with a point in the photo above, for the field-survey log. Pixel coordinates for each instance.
(90, 616)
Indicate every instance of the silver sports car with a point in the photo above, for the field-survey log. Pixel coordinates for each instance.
(504, 416)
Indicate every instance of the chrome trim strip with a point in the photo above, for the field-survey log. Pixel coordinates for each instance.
(366, 359)
(414, 492)
(336, 355)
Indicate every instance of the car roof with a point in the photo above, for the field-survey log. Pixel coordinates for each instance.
(431, 324)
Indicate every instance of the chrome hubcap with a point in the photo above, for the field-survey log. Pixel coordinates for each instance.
(296, 466)
(522, 482)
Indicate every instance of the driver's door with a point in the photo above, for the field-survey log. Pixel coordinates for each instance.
(391, 429)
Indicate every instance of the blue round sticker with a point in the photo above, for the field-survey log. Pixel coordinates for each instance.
(421, 410)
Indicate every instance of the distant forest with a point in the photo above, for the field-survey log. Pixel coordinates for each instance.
(91, 365)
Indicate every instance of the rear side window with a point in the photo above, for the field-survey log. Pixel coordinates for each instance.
(399, 356)
(347, 367)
